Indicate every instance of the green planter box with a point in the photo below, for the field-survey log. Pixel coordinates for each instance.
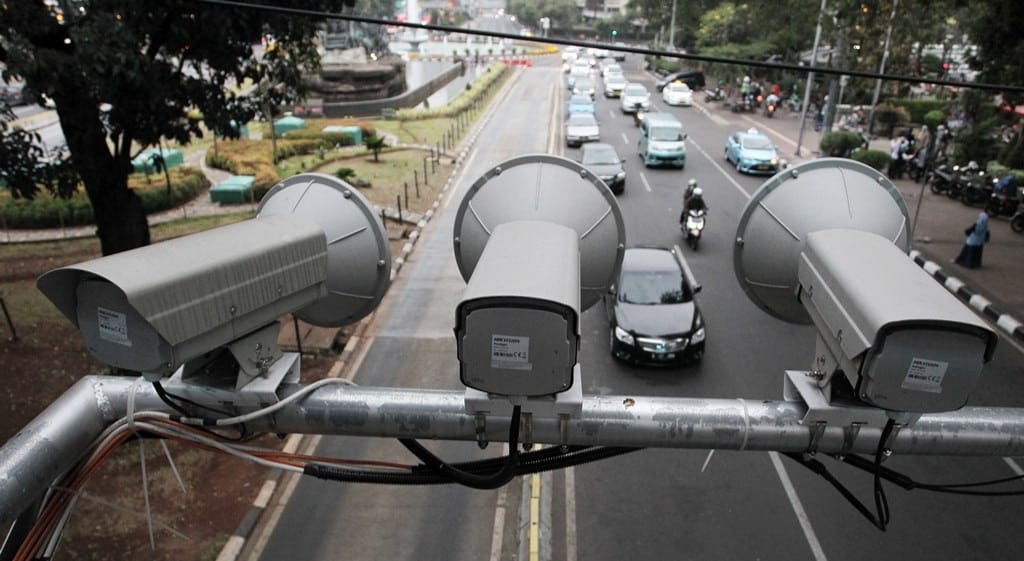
(356, 132)
(145, 162)
(233, 190)
(289, 123)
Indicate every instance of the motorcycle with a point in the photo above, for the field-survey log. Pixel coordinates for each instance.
(693, 226)
(978, 188)
(638, 116)
(717, 94)
(1003, 204)
(744, 105)
(769, 110)
(1017, 221)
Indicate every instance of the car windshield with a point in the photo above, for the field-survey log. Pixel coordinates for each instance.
(654, 287)
(757, 143)
(635, 90)
(582, 120)
(666, 133)
(580, 100)
(679, 88)
(615, 79)
(584, 84)
(600, 155)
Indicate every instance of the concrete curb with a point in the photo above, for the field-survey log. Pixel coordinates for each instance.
(1006, 322)
(236, 542)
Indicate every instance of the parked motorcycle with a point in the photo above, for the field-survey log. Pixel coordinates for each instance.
(978, 189)
(693, 226)
(1003, 204)
(717, 94)
(1017, 221)
(744, 105)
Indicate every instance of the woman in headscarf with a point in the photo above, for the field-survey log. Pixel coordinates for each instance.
(977, 235)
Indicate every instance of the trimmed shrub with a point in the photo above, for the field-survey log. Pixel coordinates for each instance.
(840, 143)
(887, 117)
(917, 109)
(934, 118)
(494, 74)
(995, 169)
(877, 159)
(47, 211)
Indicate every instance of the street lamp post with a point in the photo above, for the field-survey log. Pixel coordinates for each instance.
(881, 70)
(810, 78)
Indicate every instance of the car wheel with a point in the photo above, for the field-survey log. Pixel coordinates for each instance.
(611, 340)
(726, 154)
(738, 166)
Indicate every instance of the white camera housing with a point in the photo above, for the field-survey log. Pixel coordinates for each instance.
(315, 249)
(517, 326)
(153, 308)
(903, 342)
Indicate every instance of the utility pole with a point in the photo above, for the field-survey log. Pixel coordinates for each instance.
(810, 79)
(672, 29)
(881, 70)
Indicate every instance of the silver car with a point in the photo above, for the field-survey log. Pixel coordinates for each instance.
(580, 128)
(635, 96)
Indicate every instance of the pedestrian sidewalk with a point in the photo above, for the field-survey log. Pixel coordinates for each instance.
(937, 224)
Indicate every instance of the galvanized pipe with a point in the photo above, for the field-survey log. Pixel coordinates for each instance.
(55, 440)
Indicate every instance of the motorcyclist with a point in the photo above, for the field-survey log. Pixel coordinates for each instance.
(693, 199)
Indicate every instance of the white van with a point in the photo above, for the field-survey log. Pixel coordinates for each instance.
(662, 140)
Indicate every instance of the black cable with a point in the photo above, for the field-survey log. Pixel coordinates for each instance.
(881, 502)
(166, 397)
(953, 488)
(492, 481)
(622, 48)
(820, 469)
(535, 461)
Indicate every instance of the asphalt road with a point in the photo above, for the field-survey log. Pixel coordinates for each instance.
(653, 504)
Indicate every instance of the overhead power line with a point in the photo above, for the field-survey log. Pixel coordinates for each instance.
(621, 48)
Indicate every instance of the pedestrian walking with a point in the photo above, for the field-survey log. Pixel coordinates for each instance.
(977, 234)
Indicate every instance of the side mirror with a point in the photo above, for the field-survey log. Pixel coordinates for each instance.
(611, 290)
(697, 288)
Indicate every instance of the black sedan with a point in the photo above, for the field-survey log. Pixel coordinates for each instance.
(603, 161)
(653, 315)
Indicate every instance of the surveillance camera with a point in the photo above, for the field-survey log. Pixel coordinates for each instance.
(903, 342)
(517, 326)
(316, 248)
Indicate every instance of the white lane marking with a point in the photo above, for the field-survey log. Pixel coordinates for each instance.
(611, 113)
(570, 514)
(498, 534)
(643, 178)
(1014, 466)
(720, 169)
(798, 508)
(625, 139)
(693, 282)
(714, 118)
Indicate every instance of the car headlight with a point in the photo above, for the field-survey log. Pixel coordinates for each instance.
(698, 336)
(623, 336)
(621, 175)
(775, 161)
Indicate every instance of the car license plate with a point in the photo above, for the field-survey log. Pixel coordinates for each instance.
(764, 167)
(664, 356)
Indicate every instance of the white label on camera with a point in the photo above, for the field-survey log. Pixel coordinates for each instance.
(113, 326)
(510, 352)
(925, 375)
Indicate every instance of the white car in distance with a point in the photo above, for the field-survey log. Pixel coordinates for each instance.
(677, 93)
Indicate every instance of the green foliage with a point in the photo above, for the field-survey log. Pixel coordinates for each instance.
(918, 108)
(1012, 154)
(977, 142)
(994, 27)
(563, 13)
(934, 118)
(375, 144)
(887, 117)
(840, 143)
(49, 211)
(493, 76)
(345, 174)
(996, 169)
(877, 159)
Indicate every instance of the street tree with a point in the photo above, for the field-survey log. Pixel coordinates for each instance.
(563, 13)
(125, 75)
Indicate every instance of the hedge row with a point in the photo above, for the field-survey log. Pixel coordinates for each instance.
(46, 211)
(494, 74)
(996, 169)
(877, 159)
(918, 108)
(255, 157)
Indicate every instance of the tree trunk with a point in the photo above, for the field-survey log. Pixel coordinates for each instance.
(120, 220)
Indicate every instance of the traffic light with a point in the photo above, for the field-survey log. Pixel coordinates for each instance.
(614, 33)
